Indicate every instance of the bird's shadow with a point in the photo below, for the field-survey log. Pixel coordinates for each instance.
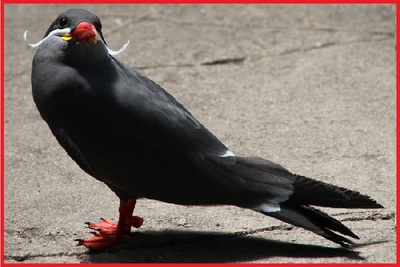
(205, 247)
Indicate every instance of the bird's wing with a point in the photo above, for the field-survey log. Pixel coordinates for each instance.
(73, 150)
(150, 114)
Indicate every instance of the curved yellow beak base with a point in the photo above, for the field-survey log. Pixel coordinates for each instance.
(66, 36)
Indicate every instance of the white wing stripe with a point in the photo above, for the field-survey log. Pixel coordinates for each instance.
(228, 153)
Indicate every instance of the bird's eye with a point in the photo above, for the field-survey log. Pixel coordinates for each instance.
(62, 22)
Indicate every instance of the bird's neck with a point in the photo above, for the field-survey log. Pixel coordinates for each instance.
(86, 54)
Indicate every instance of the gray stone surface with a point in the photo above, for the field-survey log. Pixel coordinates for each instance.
(311, 87)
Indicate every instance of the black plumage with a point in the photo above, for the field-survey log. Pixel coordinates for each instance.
(128, 132)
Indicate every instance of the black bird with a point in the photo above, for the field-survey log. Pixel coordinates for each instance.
(128, 132)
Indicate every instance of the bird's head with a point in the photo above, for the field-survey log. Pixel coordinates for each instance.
(75, 37)
(79, 25)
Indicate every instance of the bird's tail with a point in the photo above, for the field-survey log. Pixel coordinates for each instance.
(298, 210)
(296, 207)
(308, 191)
(315, 221)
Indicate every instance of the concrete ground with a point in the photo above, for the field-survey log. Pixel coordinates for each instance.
(311, 87)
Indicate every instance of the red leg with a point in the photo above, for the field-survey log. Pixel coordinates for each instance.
(110, 233)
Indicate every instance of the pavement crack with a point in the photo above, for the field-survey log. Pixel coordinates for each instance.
(383, 33)
(183, 65)
(318, 45)
(22, 258)
(372, 217)
(260, 230)
(225, 61)
(362, 216)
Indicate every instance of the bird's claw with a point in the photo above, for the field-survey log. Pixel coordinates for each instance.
(106, 233)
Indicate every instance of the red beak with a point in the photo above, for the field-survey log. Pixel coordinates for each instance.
(85, 31)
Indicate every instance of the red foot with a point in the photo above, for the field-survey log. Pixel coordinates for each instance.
(106, 227)
(99, 241)
(110, 233)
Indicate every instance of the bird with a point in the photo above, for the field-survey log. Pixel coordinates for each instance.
(126, 131)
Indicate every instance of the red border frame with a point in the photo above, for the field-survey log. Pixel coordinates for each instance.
(397, 135)
(199, 2)
(2, 130)
(2, 148)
